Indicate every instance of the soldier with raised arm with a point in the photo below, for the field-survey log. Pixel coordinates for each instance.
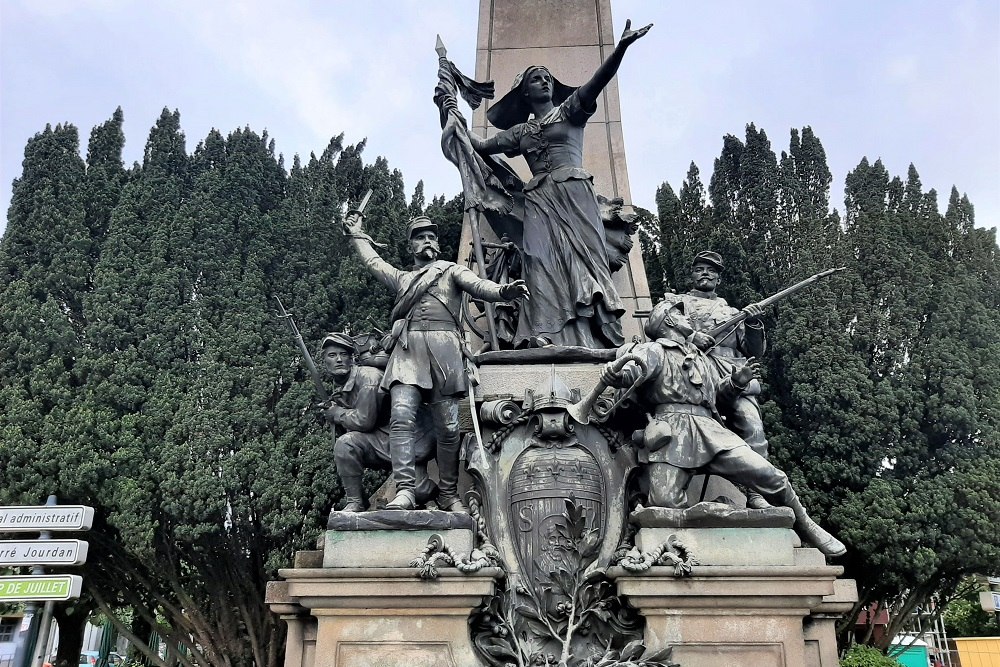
(427, 362)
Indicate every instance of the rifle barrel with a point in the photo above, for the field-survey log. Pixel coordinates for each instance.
(310, 364)
(735, 321)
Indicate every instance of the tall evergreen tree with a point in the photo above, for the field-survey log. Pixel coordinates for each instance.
(881, 396)
(46, 263)
(143, 339)
(685, 225)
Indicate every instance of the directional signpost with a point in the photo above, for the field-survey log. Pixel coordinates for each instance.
(39, 586)
(45, 587)
(31, 519)
(43, 552)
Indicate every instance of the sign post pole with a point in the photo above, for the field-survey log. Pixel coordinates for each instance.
(36, 587)
(24, 647)
(39, 629)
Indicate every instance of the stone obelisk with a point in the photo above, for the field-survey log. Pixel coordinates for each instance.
(571, 38)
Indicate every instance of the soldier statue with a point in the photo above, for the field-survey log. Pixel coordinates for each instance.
(706, 310)
(427, 354)
(683, 391)
(359, 408)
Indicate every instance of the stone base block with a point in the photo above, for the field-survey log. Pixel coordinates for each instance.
(360, 617)
(729, 616)
(727, 546)
(820, 629)
(387, 548)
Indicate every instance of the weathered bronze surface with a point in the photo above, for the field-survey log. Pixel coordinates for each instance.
(358, 411)
(555, 219)
(579, 448)
(684, 394)
(427, 358)
(712, 515)
(399, 520)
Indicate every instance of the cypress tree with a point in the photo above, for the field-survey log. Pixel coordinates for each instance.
(46, 264)
(881, 396)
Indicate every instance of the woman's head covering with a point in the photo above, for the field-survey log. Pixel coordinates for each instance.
(513, 108)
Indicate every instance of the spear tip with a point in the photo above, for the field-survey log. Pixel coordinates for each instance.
(439, 47)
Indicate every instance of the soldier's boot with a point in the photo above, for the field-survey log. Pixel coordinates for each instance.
(404, 400)
(755, 501)
(445, 413)
(404, 499)
(746, 422)
(353, 494)
(426, 490)
(809, 530)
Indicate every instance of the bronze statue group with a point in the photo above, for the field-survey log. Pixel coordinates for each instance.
(699, 391)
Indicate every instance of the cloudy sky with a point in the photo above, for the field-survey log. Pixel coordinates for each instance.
(903, 80)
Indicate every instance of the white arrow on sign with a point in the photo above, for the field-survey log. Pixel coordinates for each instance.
(43, 552)
(33, 518)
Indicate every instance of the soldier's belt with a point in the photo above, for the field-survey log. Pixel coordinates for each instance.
(432, 325)
(665, 409)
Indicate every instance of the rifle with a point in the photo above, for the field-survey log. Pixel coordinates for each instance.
(310, 364)
(729, 326)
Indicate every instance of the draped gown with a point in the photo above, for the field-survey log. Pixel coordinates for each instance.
(573, 299)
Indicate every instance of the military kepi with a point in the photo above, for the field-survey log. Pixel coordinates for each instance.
(419, 223)
(339, 340)
(709, 257)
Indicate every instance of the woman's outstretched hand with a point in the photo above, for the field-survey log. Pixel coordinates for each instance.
(630, 35)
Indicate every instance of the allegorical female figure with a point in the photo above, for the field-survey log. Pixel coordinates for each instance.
(574, 301)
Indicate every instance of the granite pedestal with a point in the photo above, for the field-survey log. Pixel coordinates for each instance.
(755, 598)
(356, 603)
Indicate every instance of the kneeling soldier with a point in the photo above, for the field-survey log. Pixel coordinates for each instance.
(682, 391)
(360, 408)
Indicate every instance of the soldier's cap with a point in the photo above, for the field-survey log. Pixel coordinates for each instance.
(337, 339)
(709, 257)
(660, 314)
(419, 223)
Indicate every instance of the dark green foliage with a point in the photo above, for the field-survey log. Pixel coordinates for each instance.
(143, 369)
(882, 399)
(865, 656)
(965, 616)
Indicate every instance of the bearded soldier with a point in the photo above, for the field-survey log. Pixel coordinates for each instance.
(706, 309)
(427, 358)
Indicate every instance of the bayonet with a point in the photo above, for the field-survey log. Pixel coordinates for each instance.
(724, 330)
(310, 364)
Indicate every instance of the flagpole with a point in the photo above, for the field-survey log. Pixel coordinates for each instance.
(474, 216)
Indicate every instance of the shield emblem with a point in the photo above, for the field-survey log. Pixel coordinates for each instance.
(540, 481)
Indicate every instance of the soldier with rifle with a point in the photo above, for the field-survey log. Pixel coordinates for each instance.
(707, 310)
(730, 337)
(683, 392)
(360, 409)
